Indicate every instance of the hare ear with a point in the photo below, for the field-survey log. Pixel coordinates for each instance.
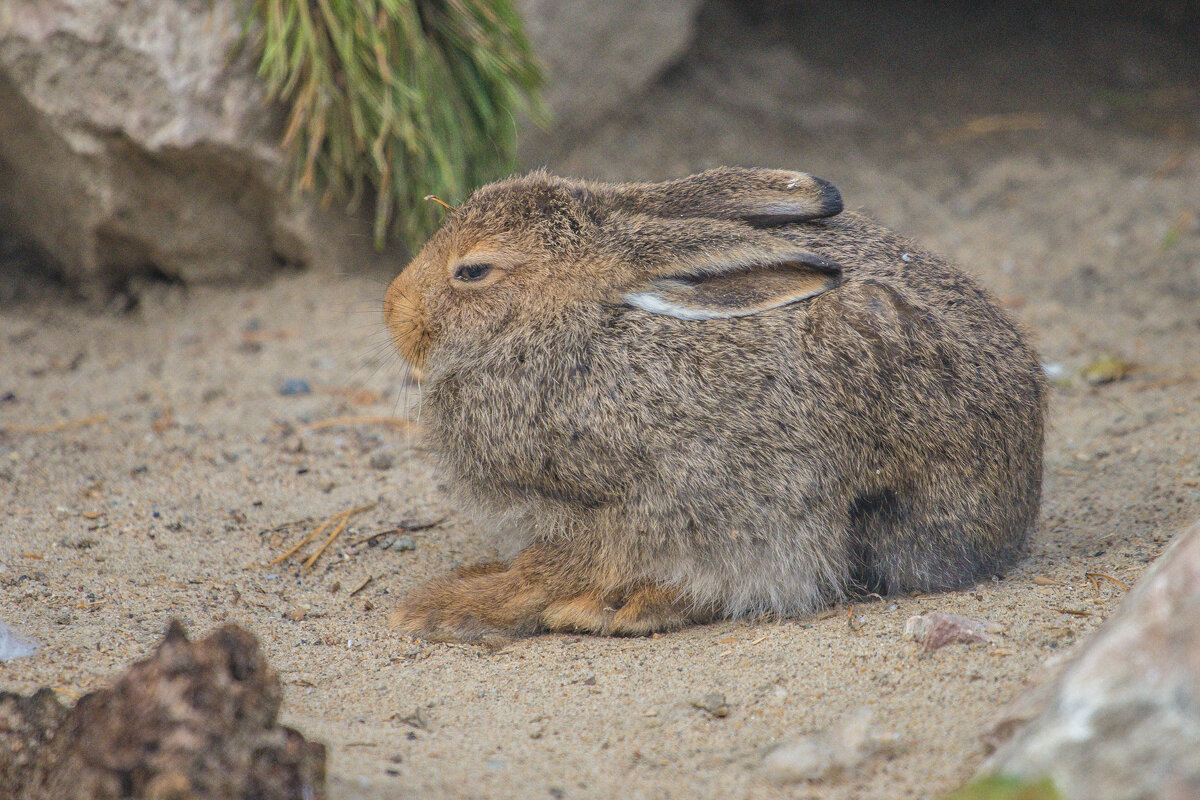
(729, 290)
(803, 197)
(762, 198)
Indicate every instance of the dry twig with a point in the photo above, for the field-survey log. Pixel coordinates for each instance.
(1097, 577)
(342, 518)
(1076, 612)
(360, 420)
(65, 425)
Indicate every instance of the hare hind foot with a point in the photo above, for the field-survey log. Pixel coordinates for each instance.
(491, 603)
(543, 588)
(642, 611)
(650, 609)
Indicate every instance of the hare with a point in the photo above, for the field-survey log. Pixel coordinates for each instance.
(711, 397)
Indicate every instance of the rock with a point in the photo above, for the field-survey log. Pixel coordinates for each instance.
(382, 459)
(714, 703)
(132, 143)
(294, 387)
(195, 720)
(1106, 369)
(13, 645)
(936, 630)
(599, 53)
(826, 754)
(1122, 717)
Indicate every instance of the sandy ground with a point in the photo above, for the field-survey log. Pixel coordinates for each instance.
(1080, 209)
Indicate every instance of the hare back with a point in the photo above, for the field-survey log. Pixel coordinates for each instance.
(884, 436)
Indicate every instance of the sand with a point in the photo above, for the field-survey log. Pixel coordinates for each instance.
(178, 467)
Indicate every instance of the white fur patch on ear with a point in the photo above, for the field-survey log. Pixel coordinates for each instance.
(737, 288)
(655, 304)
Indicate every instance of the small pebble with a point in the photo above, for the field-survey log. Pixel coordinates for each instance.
(906, 258)
(294, 386)
(1054, 371)
(1106, 369)
(13, 645)
(827, 753)
(382, 459)
(295, 614)
(402, 544)
(714, 703)
(935, 630)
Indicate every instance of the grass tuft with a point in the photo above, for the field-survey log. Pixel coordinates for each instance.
(393, 100)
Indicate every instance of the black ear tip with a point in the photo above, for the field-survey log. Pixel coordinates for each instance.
(831, 198)
(818, 262)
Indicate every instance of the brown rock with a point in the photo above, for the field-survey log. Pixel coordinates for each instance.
(1121, 720)
(197, 720)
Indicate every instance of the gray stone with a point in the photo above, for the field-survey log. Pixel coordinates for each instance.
(132, 141)
(1121, 719)
(829, 753)
(597, 53)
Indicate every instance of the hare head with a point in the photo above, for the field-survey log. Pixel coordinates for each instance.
(696, 248)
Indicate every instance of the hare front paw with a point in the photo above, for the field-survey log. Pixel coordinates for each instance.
(472, 605)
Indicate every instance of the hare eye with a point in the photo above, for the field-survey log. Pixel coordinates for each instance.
(471, 272)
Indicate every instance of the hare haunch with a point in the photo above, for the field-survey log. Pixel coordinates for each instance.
(709, 397)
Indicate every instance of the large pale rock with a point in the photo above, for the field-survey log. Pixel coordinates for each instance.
(131, 140)
(599, 52)
(1121, 720)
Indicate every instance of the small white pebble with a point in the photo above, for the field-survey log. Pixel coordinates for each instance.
(13, 645)
(906, 258)
(1054, 370)
(792, 184)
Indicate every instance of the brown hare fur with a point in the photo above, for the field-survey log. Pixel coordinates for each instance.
(711, 397)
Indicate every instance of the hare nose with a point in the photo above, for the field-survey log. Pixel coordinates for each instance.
(404, 315)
